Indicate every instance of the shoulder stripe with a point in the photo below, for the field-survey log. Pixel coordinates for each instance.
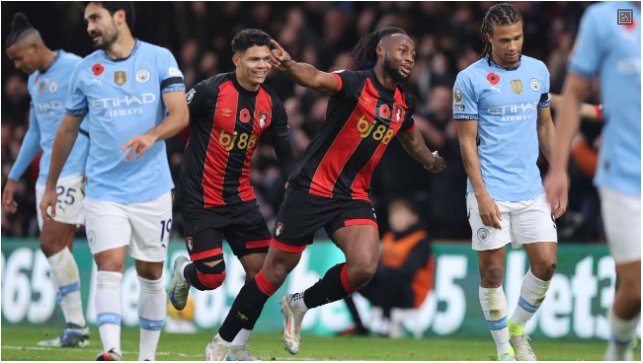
(170, 81)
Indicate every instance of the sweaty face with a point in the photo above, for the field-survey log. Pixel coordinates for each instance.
(101, 26)
(23, 57)
(506, 43)
(252, 65)
(399, 58)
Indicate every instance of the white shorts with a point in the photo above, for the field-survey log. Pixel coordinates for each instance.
(622, 219)
(71, 193)
(143, 227)
(522, 222)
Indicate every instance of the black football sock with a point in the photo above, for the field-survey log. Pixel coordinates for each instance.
(332, 287)
(247, 307)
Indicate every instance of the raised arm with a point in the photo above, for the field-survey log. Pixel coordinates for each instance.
(302, 73)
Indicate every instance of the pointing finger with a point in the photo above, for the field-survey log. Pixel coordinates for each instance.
(276, 45)
(127, 144)
(129, 154)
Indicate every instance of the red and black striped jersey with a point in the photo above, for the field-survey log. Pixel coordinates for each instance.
(226, 123)
(361, 119)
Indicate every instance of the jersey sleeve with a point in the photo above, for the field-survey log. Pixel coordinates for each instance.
(348, 81)
(465, 99)
(196, 99)
(408, 124)
(76, 101)
(545, 101)
(279, 124)
(29, 148)
(170, 76)
(278, 131)
(588, 49)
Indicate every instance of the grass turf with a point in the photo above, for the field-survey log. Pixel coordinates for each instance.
(19, 343)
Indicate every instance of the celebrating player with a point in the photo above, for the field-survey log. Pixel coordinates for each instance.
(611, 50)
(133, 95)
(48, 85)
(329, 186)
(501, 105)
(229, 113)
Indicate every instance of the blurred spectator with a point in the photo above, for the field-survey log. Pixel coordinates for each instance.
(15, 100)
(404, 273)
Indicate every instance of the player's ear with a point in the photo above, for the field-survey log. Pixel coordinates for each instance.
(120, 16)
(236, 60)
(380, 51)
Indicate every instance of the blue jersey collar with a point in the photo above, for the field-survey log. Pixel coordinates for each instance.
(498, 66)
(58, 52)
(136, 44)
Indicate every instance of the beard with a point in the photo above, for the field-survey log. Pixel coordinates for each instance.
(110, 36)
(107, 41)
(394, 72)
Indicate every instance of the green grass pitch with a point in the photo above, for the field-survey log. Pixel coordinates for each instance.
(19, 343)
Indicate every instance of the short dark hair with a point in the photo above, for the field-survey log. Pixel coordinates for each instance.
(248, 38)
(19, 27)
(114, 6)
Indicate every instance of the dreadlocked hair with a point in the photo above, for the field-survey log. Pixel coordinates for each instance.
(499, 14)
(20, 26)
(364, 52)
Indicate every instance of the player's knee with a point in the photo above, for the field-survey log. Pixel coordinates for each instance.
(277, 273)
(632, 291)
(250, 274)
(491, 276)
(544, 270)
(209, 276)
(253, 267)
(636, 296)
(50, 245)
(361, 273)
(277, 266)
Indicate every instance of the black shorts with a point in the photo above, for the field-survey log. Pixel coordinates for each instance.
(301, 214)
(242, 225)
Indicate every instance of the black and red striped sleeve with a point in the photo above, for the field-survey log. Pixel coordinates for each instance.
(408, 124)
(198, 99)
(278, 131)
(349, 82)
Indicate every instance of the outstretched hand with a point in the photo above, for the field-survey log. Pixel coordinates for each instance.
(138, 144)
(278, 56)
(437, 163)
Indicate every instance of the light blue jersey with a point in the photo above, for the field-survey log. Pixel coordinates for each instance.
(505, 102)
(613, 52)
(48, 91)
(122, 99)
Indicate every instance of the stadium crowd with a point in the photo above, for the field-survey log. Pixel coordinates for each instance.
(322, 34)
